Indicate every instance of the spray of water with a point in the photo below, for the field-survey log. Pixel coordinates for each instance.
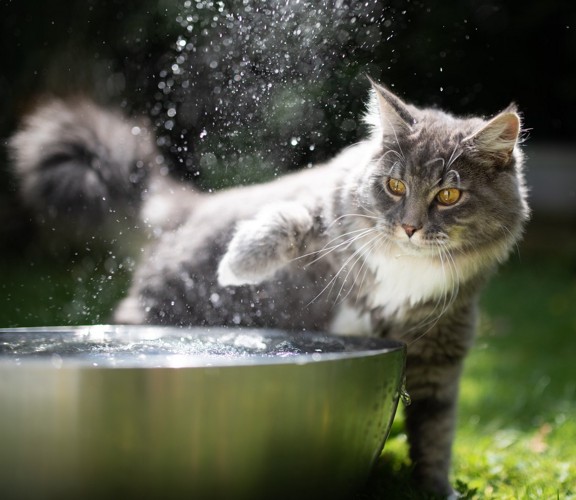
(253, 88)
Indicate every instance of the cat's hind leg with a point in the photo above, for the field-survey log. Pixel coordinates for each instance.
(263, 245)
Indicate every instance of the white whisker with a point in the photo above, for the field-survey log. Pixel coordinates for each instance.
(326, 250)
(338, 219)
(454, 156)
(361, 255)
(445, 301)
(332, 282)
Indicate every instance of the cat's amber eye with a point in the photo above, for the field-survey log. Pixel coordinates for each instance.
(397, 187)
(449, 196)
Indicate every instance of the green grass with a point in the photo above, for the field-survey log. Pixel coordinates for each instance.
(516, 436)
(517, 427)
(517, 433)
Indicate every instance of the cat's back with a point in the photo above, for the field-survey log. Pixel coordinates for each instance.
(309, 186)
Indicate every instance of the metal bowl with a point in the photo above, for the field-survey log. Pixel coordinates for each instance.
(156, 412)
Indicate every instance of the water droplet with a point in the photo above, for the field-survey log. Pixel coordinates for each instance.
(404, 396)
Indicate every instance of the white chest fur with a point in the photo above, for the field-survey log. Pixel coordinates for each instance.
(402, 281)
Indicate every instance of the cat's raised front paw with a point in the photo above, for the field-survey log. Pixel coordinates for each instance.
(263, 245)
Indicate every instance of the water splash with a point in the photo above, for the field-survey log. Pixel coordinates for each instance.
(246, 77)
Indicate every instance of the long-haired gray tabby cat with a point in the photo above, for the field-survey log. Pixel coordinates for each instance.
(394, 237)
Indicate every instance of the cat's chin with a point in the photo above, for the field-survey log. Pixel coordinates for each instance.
(411, 248)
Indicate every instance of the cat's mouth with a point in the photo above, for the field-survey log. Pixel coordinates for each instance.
(421, 246)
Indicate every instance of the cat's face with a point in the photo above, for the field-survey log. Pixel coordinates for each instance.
(446, 184)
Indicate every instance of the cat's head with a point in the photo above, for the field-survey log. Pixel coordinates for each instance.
(440, 182)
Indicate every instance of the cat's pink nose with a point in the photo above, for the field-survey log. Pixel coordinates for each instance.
(410, 230)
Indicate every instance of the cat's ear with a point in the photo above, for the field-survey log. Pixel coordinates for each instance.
(388, 112)
(511, 108)
(499, 136)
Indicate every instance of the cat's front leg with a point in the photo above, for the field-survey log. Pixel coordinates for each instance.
(263, 245)
(431, 420)
(433, 370)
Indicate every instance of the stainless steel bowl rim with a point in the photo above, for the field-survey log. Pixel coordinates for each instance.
(359, 346)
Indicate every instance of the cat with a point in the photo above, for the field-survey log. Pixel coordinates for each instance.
(394, 237)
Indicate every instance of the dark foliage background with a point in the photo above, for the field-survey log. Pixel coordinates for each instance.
(243, 89)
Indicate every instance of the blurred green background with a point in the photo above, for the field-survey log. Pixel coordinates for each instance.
(243, 90)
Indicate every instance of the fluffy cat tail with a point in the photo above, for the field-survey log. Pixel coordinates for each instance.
(81, 168)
